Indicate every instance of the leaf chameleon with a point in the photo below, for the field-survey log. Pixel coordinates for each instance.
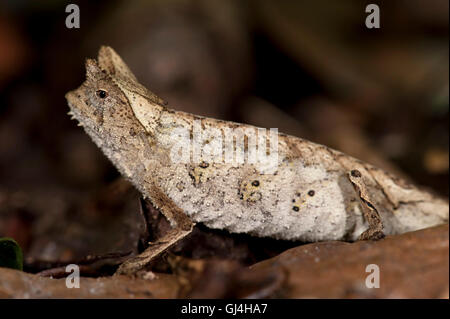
(314, 193)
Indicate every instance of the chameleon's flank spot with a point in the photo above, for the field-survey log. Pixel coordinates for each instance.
(102, 94)
(296, 208)
(355, 173)
(204, 165)
(311, 193)
(248, 192)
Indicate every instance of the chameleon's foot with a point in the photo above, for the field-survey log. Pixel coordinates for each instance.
(371, 234)
(137, 263)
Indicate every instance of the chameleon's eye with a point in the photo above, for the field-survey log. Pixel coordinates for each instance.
(101, 94)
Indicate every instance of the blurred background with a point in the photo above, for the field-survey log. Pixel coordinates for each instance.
(309, 68)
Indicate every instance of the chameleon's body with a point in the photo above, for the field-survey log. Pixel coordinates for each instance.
(310, 197)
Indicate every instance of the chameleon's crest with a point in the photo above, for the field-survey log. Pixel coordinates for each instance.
(92, 69)
(112, 63)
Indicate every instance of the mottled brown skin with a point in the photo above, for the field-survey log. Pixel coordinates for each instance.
(312, 195)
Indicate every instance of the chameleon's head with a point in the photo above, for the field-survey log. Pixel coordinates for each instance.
(109, 104)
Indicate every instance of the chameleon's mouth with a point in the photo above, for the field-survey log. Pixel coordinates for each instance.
(82, 112)
(75, 113)
(71, 101)
(70, 97)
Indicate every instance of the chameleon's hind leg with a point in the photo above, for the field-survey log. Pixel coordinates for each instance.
(181, 227)
(372, 216)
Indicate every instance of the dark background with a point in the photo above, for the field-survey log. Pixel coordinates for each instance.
(310, 68)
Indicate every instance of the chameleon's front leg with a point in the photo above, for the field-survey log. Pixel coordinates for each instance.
(182, 226)
(372, 216)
